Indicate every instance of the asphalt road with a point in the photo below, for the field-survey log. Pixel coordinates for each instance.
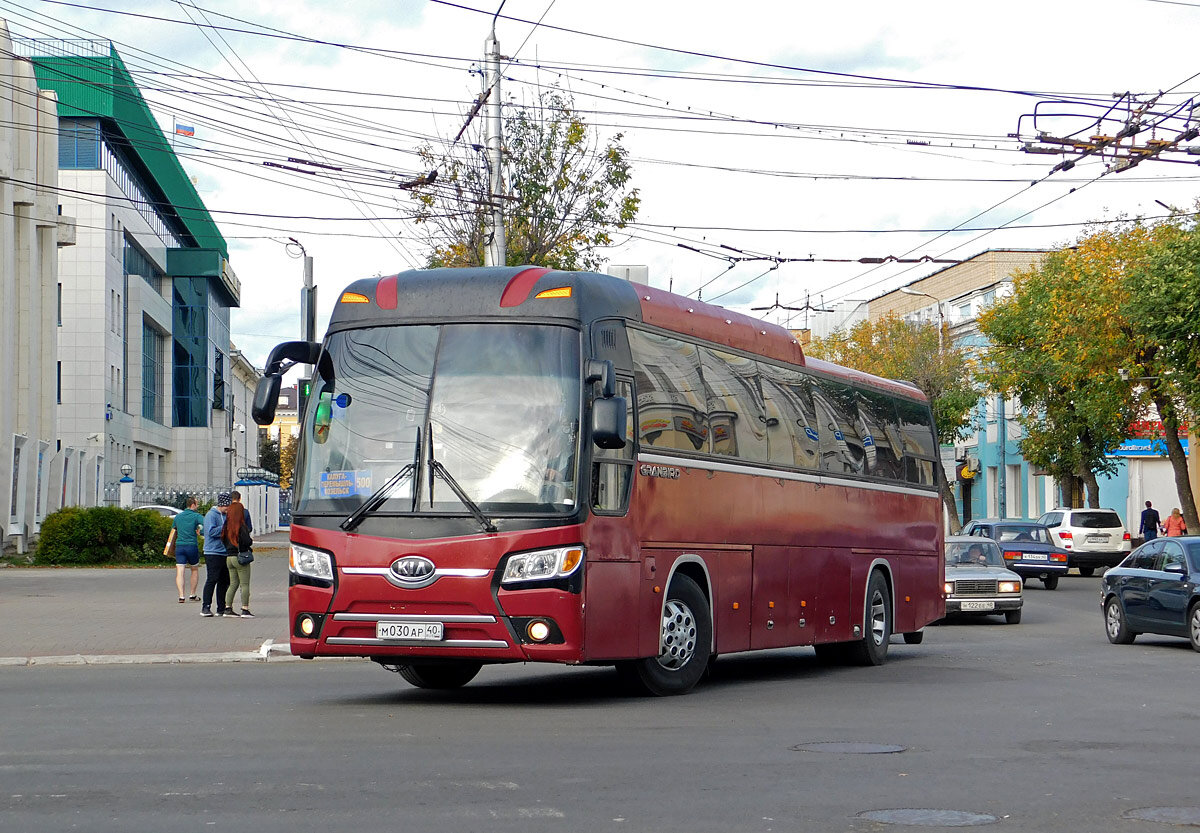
(1042, 726)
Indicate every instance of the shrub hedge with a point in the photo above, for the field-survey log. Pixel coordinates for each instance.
(103, 535)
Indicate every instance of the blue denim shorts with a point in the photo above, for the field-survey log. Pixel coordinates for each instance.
(187, 555)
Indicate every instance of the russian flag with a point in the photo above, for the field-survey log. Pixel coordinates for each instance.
(185, 130)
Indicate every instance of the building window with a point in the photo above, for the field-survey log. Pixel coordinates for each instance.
(60, 305)
(152, 363)
(189, 361)
(138, 262)
(79, 144)
(59, 394)
(218, 400)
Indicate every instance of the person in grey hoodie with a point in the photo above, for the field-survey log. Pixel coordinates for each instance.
(216, 573)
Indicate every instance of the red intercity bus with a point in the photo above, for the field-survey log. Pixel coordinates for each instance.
(522, 465)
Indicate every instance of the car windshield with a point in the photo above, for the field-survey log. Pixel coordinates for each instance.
(497, 405)
(1021, 533)
(1095, 520)
(973, 553)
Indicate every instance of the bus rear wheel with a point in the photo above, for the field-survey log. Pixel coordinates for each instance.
(438, 675)
(685, 643)
(872, 649)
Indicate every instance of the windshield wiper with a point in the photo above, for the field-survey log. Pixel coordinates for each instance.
(380, 495)
(438, 469)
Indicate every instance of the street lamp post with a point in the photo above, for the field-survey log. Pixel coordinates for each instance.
(908, 290)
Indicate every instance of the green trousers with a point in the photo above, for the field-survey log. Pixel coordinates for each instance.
(239, 576)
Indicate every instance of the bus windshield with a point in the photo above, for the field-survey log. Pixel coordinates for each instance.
(498, 405)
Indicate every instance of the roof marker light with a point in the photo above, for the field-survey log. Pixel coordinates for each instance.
(558, 292)
(354, 298)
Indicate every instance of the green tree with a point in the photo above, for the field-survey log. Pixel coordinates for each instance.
(566, 193)
(268, 454)
(916, 353)
(1068, 344)
(287, 460)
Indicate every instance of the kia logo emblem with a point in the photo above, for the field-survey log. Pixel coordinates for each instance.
(412, 571)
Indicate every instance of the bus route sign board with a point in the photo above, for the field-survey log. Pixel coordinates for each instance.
(345, 483)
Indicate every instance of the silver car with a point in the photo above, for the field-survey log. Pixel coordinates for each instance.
(977, 582)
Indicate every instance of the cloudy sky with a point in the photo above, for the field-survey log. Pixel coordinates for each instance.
(767, 132)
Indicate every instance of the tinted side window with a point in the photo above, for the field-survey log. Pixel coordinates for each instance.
(737, 417)
(672, 403)
(840, 445)
(921, 451)
(787, 397)
(1172, 555)
(1051, 519)
(880, 432)
(1146, 556)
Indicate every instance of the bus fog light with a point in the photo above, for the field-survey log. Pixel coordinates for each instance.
(538, 630)
(307, 625)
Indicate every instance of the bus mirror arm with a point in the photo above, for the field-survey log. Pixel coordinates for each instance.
(266, 394)
(601, 370)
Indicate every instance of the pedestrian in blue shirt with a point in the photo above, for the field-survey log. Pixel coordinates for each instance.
(187, 549)
(216, 574)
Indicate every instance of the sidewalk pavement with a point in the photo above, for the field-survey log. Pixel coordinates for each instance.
(78, 616)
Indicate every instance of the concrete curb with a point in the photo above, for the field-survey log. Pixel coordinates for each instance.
(268, 651)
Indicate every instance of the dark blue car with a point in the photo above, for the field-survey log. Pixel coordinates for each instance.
(1028, 550)
(1156, 589)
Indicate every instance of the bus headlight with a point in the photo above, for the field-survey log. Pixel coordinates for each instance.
(542, 564)
(311, 563)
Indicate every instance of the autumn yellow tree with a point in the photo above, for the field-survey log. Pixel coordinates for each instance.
(1068, 345)
(916, 353)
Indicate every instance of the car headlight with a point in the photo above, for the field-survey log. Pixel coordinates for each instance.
(949, 588)
(542, 564)
(1010, 587)
(311, 563)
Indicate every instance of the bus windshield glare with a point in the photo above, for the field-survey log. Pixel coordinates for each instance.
(498, 405)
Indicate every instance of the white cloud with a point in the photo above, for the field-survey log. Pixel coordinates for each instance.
(1057, 50)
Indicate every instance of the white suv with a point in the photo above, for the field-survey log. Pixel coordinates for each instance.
(1093, 537)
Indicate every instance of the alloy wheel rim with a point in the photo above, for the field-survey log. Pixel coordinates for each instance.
(1196, 625)
(1114, 619)
(878, 618)
(678, 642)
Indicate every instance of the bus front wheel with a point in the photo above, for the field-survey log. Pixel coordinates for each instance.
(438, 675)
(685, 642)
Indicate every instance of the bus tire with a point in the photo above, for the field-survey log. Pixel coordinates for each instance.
(439, 675)
(872, 649)
(685, 643)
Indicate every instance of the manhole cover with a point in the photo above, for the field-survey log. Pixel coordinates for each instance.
(849, 748)
(919, 817)
(1182, 816)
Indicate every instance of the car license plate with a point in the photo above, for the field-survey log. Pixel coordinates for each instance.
(1097, 539)
(424, 631)
(978, 605)
(1033, 556)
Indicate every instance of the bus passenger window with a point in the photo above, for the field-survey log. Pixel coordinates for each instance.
(880, 435)
(736, 414)
(841, 445)
(672, 403)
(787, 396)
(921, 451)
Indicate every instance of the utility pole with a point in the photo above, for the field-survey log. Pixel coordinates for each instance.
(496, 254)
(308, 317)
(1002, 471)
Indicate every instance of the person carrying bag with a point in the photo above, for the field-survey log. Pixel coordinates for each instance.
(240, 555)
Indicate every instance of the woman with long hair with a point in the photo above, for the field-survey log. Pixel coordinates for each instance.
(1175, 525)
(237, 545)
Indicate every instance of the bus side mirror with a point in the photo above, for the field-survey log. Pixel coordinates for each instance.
(266, 395)
(608, 422)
